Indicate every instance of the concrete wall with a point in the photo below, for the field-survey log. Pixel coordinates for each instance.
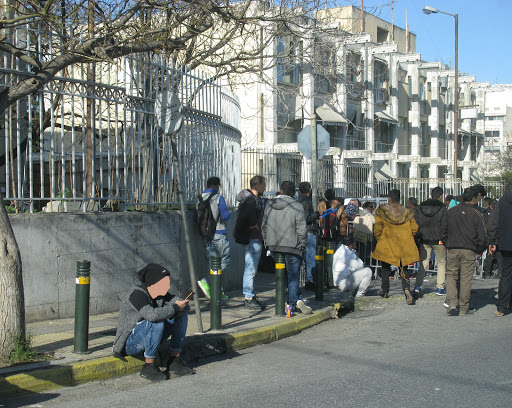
(117, 244)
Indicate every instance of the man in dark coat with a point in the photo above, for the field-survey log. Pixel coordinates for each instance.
(464, 236)
(500, 238)
(311, 228)
(430, 216)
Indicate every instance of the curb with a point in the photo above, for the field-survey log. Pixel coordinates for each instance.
(197, 347)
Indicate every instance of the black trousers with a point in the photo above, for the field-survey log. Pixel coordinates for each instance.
(505, 285)
(386, 273)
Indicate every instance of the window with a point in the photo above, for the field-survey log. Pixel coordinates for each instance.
(325, 68)
(288, 65)
(499, 118)
(382, 35)
(492, 133)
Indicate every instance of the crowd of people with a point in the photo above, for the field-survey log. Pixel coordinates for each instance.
(452, 231)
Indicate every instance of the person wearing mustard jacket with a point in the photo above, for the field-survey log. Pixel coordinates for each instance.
(394, 230)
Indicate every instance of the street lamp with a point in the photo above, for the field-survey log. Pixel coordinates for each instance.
(430, 10)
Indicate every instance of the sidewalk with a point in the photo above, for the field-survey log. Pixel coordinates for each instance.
(241, 328)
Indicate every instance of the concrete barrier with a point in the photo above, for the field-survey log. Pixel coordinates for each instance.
(117, 244)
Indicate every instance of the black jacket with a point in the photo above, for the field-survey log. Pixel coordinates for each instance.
(429, 216)
(500, 230)
(463, 228)
(311, 215)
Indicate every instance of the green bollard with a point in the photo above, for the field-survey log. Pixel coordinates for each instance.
(319, 269)
(215, 293)
(329, 255)
(83, 287)
(280, 284)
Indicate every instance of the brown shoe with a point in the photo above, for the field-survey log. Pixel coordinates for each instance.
(408, 297)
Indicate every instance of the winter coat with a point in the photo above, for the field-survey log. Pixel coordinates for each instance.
(250, 214)
(284, 226)
(500, 231)
(464, 228)
(311, 216)
(395, 229)
(429, 217)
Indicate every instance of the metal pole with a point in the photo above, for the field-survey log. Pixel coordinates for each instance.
(186, 232)
(83, 285)
(280, 284)
(319, 269)
(314, 162)
(215, 293)
(329, 255)
(456, 119)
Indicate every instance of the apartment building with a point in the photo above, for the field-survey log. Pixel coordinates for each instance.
(389, 113)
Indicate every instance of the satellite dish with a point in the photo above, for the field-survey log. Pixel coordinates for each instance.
(169, 112)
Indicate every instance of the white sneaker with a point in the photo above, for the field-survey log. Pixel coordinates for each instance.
(305, 309)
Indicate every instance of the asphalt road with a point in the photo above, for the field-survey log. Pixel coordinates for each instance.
(385, 354)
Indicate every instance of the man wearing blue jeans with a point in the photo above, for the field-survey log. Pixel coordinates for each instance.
(284, 231)
(312, 228)
(149, 315)
(219, 245)
(250, 216)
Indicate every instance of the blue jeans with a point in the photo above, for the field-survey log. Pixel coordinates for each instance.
(310, 257)
(252, 258)
(148, 336)
(293, 263)
(219, 246)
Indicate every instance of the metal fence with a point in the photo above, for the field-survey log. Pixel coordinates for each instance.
(90, 140)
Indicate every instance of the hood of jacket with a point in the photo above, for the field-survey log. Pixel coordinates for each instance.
(430, 207)
(395, 213)
(281, 202)
(303, 198)
(242, 195)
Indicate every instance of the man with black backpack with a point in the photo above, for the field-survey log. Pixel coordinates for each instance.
(247, 231)
(212, 214)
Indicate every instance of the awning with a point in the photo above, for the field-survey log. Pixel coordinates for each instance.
(386, 117)
(329, 115)
(384, 173)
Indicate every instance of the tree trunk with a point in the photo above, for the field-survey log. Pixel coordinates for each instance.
(12, 301)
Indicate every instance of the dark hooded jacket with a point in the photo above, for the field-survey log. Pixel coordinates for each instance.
(284, 226)
(395, 229)
(429, 216)
(464, 228)
(250, 214)
(500, 230)
(311, 216)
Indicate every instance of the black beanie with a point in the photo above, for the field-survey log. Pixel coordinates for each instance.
(152, 273)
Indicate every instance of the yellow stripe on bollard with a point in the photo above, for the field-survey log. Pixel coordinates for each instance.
(330, 251)
(280, 265)
(219, 272)
(83, 280)
(319, 258)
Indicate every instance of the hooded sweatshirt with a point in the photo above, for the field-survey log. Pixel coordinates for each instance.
(500, 231)
(429, 217)
(395, 229)
(284, 226)
(250, 213)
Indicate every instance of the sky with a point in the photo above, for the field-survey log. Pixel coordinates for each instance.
(485, 33)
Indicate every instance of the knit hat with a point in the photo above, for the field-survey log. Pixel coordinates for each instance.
(152, 273)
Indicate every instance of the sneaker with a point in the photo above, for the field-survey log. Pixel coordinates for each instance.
(303, 307)
(417, 292)
(205, 287)
(468, 312)
(499, 314)
(440, 292)
(224, 296)
(359, 295)
(255, 304)
(310, 286)
(179, 367)
(452, 311)
(446, 304)
(152, 373)
(408, 297)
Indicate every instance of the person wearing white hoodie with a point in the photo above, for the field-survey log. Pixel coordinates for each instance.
(348, 270)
